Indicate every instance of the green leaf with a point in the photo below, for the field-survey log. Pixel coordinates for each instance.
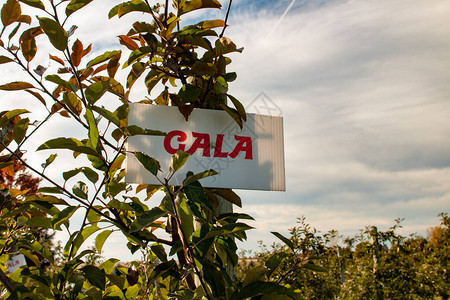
(160, 252)
(80, 189)
(75, 5)
(107, 115)
(189, 93)
(147, 218)
(229, 195)
(94, 137)
(257, 273)
(136, 54)
(73, 103)
(274, 261)
(11, 115)
(100, 239)
(199, 176)
(178, 160)
(16, 86)
(103, 57)
(96, 90)
(67, 143)
(239, 107)
(187, 219)
(50, 189)
(220, 86)
(313, 267)
(95, 276)
(133, 130)
(287, 241)
(55, 33)
(20, 129)
(4, 59)
(149, 163)
(59, 81)
(34, 3)
(49, 160)
(188, 6)
(130, 6)
(82, 236)
(63, 217)
(264, 288)
(40, 222)
(233, 113)
(10, 12)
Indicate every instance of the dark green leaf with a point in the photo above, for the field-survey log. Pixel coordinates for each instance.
(63, 217)
(264, 288)
(233, 113)
(257, 273)
(199, 176)
(160, 252)
(239, 107)
(20, 129)
(313, 267)
(228, 195)
(133, 130)
(189, 94)
(55, 33)
(95, 276)
(149, 163)
(287, 241)
(145, 219)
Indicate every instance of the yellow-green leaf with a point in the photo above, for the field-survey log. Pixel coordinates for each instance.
(75, 5)
(16, 85)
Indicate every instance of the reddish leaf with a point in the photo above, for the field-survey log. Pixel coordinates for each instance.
(87, 50)
(100, 68)
(77, 52)
(128, 42)
(57, 59)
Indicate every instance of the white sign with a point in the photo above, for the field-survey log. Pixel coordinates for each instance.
(15, 262)
(249, 158)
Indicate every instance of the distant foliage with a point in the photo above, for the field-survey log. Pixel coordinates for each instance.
(371, 265)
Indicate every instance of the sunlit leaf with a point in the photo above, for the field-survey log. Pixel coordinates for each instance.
(73, 103)
(178, 160)
(49, 160)
(96, 90)
(58, 80)
(10, 115)
(101, 58)
(128, 42)
(57, 59)
(100, 239)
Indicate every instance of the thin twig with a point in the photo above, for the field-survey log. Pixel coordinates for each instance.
(226, 19)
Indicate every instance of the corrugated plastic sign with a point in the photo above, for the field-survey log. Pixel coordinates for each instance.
(249, 158)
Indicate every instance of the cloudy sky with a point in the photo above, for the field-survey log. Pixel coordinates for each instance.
(364, 89)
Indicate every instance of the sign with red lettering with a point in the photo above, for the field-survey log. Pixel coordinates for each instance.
(15, 262)
(248, 158)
